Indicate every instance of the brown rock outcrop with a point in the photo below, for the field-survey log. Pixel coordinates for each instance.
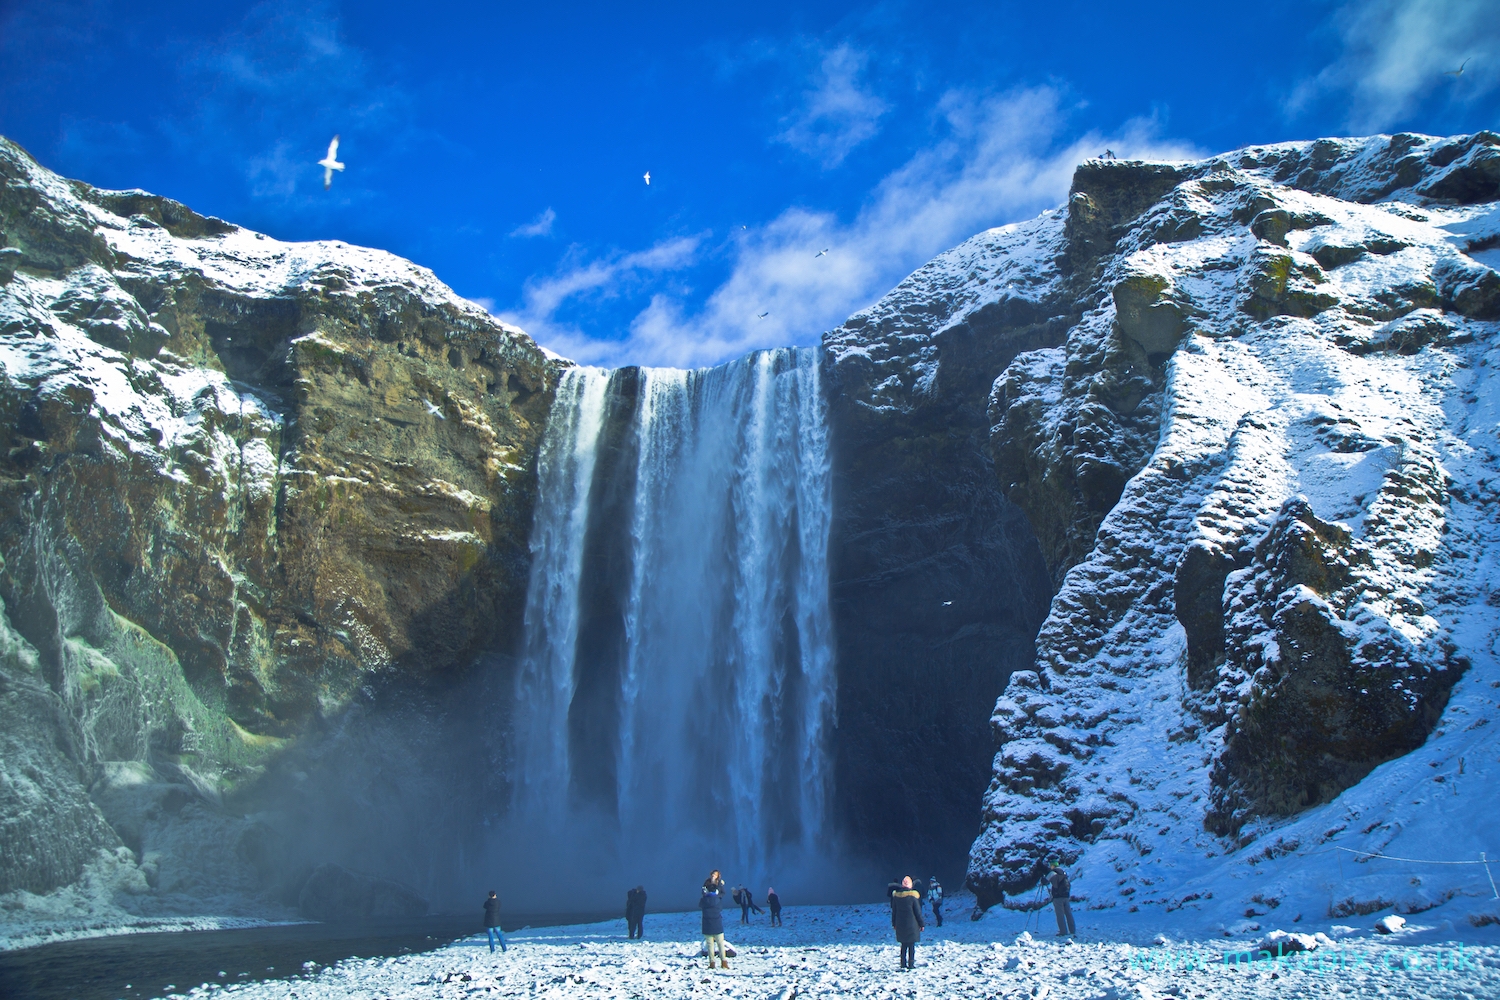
(241, 479)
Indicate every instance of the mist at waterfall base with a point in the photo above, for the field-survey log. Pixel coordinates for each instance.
(675, 696)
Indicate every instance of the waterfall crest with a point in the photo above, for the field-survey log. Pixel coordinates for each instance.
(676, 691)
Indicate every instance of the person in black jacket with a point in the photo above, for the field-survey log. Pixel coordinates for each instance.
(906, 918)
(712, 905)
(635, 912)
(492, 921)
(1061, 891)
(774, 902)
(746, 899)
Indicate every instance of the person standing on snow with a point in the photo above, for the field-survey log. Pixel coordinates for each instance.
(635, 912)
(492, 921)
(774, 902)
(712, 905)
(906, 918)
(935, 896)
(1061, 889)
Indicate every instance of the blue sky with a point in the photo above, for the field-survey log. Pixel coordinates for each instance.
(503, 145)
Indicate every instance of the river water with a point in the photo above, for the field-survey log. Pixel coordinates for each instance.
(142, 966)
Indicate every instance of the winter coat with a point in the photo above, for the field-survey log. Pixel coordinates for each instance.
(774, 902)
(635, 903)
(492, 912)
(906, 915)
(1061, 887)
(935, 892)
(712, 905)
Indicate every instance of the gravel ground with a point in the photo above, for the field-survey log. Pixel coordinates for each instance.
(849, 951)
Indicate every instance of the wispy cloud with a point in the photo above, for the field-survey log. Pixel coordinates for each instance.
(294, 64)
(581, 280)
(540, 226)
(998, 158)
(1396, 54)
(838, 112)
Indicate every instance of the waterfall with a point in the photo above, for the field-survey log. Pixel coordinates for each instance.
(676, 691)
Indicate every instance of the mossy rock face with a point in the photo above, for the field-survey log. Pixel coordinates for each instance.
(1148, 312)
(1277, 284)
(235, 497)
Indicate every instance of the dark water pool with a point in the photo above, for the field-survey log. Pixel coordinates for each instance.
(142, 966)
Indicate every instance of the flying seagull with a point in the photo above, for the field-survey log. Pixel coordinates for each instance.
(330, 163)
(648, 178)
(434, 409)
(764, 314)
(947, 603)
(820, 253)
(1459, 71)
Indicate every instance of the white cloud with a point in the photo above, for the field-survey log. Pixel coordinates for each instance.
(543, 298)
(838, 113)
(1000, 158)
(1397, 53)
(540, 226)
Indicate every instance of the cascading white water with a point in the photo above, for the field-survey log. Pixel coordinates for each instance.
(676, 694)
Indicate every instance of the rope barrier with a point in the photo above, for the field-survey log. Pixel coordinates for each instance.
(1414, 861)
(1484, 859)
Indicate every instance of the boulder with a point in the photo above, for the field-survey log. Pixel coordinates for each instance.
(1149, 311)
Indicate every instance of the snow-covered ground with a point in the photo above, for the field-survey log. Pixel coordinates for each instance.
(850, 951)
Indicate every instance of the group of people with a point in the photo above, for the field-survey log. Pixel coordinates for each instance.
(907, 912)
(745, 900)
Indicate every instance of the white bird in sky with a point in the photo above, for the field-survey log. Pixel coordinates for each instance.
(648, 178)
(434, 409)
(764, 314)
(947, 603)
(330, 163)
(821, 253)
(1459, 71)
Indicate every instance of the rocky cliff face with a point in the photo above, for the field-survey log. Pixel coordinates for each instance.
(1260, 467)
(936, 582)
(244, 484)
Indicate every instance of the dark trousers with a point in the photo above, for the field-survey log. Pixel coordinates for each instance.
(636, 925)
(937, 911)
(908, 955)
(776, 917)
(1064, 911)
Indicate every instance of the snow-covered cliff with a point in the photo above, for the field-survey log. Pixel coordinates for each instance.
(1246, 406)
(1262, 465)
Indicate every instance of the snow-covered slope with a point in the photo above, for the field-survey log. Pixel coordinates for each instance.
(1277, 643)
